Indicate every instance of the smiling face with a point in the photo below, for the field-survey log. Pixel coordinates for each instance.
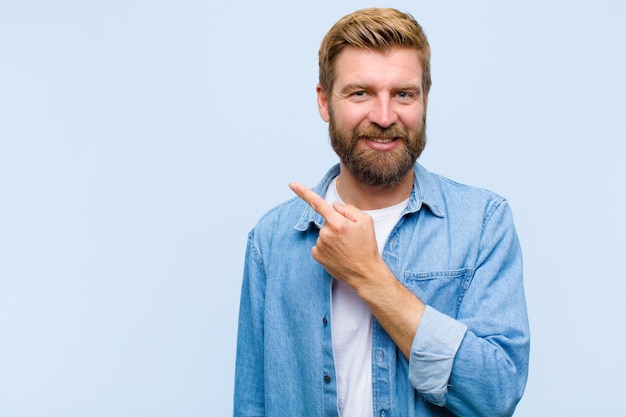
(376, 112)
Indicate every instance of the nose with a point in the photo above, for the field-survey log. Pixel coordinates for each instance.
(382, 112)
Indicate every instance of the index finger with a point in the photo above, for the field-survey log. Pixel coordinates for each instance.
(316, 202)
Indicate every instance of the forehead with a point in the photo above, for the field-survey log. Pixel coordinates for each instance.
(363, 66)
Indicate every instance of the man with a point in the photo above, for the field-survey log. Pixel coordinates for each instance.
(388, 290)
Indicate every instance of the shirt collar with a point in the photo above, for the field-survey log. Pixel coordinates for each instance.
(424, 193)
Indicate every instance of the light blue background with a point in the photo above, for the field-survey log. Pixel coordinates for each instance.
(141, 140)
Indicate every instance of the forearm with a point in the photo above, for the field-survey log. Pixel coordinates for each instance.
(447, 363)
(470, 393)
(396, 308)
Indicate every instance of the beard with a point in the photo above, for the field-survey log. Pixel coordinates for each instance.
(376, 168)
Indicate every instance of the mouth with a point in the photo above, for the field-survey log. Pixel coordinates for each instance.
(381, 144)
(381, 140)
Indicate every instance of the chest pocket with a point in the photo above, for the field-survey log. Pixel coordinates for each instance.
(443, 290)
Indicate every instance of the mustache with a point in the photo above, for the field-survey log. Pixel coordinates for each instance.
(375, 131)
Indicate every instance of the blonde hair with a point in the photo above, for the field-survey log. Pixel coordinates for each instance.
(378, 29)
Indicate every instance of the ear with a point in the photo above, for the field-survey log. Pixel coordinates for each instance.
(322, 103)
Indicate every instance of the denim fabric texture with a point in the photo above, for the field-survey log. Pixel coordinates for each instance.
(455, 247)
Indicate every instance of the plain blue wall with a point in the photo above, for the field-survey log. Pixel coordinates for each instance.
(141, 140)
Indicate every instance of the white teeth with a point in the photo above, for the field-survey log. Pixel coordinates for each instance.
(381, 140)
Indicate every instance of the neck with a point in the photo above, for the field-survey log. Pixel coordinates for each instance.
(367, 197)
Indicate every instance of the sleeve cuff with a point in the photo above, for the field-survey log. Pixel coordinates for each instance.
(436, 342)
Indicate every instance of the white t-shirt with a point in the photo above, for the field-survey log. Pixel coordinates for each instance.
(351, 321)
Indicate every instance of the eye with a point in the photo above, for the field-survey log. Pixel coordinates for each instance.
(358, 95)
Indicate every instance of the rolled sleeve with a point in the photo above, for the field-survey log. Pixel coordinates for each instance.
(436, 342)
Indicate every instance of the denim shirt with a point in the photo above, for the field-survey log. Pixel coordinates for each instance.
(455, 247)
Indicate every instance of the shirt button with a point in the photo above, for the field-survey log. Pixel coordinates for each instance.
(327, 378)
(325, 320)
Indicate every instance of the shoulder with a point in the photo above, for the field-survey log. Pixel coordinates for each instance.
(283, 234)
(456, 189)
(482, 201)
(294, 214)
(453, 198)
(283, 215)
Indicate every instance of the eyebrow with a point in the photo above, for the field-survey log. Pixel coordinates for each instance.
(409, 87)
(357, 87)
(353, 87)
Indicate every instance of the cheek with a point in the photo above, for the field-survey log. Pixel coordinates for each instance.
(347, 120)
(357, 119)
(412, 119)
